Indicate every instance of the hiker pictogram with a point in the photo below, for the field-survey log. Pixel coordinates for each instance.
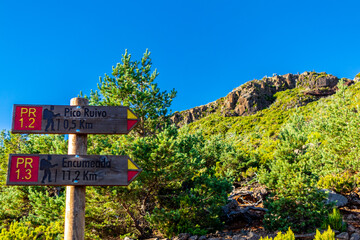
(49, 115)
(46, 165)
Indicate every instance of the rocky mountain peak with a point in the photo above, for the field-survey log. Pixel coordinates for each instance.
(256, 95)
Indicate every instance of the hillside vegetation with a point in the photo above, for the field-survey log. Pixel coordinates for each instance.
(293, 134)
(296, 146)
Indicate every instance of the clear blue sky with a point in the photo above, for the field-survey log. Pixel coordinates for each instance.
(51, 50)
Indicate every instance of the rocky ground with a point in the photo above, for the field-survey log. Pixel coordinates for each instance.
(245, 213)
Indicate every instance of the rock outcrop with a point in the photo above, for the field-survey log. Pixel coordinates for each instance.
(259, 94)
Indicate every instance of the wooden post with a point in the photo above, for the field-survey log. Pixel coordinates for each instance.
(75, 195)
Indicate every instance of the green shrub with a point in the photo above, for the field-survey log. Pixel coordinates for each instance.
(195, 210)
(296, 201)
(177, 191)
(45, 208)
(302, 214)
(326, 235)
(12, 203)
(189, 196)
(335, 221)
(24, 231)
(289, 235)
(343, 182)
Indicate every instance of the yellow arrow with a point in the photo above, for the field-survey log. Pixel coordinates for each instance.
(130, 115)
(131, 165)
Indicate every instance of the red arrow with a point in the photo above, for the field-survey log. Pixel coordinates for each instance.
(132, 120)
(133, 170)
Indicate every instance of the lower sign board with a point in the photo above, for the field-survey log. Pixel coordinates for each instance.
(60, 119)
(76, 170)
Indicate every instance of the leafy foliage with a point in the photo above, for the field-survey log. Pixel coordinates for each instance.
(294, 147)
(335, 221)
(297, 203)
(178, 180)
(289, 235)
(133, 84)
(326, 235)
(309, 151)
(48, 204)
(176, 191)
(303, 215)
(343, 182)
(35, 205)
(24, 231)
(255, 136)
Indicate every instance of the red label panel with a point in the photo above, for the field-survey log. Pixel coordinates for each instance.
(28, 118)
(24, 169)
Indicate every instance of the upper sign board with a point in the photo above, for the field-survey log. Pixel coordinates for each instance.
(76, 170)
(60, 119)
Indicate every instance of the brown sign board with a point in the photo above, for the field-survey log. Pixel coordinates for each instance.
(75, 170)
(61, 119)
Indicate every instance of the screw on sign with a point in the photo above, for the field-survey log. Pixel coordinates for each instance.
(61, 119)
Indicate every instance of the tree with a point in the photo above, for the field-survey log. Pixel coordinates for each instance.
(296, 202)
(133, 84)
(177, 190)
(28, 211)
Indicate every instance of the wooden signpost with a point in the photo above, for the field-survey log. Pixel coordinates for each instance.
(77, 169)
(60, 119)
(66, 170)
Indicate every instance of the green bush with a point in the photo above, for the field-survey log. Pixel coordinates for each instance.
(343, 182)
(178, 189)
(289, 235)
(302, 214)
(326, 235)
(195, 210)
(34, 205)
(24, 231)
(335, 221)
(296, 201)
(180, 169)
(45, 208)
